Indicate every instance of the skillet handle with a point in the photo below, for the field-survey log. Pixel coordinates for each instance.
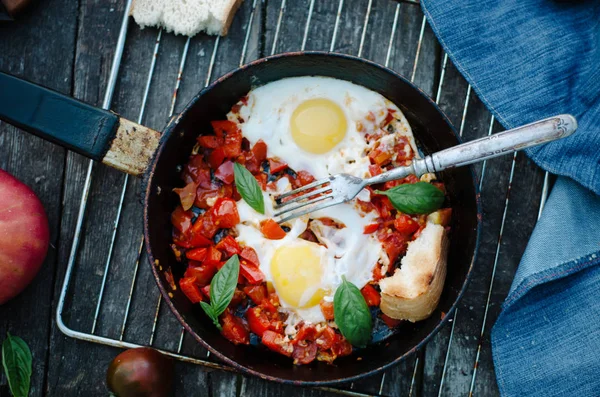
(93, 132)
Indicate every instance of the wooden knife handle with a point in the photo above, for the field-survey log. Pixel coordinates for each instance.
(14, 7)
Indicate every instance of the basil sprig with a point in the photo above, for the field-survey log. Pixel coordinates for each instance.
(415, 198)
(248, 187)
(16, 360)
(222, 288)
(352, 314)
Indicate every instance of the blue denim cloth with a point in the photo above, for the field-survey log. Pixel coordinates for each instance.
(527, 60)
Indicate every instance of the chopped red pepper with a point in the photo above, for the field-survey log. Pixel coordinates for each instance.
(258, 293)
(304, 353)
(371, 228)
(213, 257)
(190, 289)
(196, 254)
(371, 295)
(225, 214)
(203, 274)
(303, 178)
(229, 246)
(326, 339)
(198, 240)
(249, 254)
(341, 347)
(257, 321)
(225, 172)
(205, 226)
(405, 224)
(272, 230)
(276, 166)
(327, 310)
(259, 150)
(306, 333)
(251, 272)
(375, 169)
(233, 329)
(208, 141)
(216, 157)
(262, 180)
(277, 343)
(181, 220)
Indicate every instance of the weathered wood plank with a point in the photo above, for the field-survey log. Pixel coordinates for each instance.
(38, 47)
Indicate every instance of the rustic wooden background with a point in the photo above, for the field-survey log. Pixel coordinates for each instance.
(68, 45)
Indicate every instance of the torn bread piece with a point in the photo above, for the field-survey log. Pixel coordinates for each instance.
(186, 17)
(412, 293)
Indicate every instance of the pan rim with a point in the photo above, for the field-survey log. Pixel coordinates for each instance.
(172, 125)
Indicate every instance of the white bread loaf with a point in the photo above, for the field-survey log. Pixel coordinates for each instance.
(413, 291)
(186, 17)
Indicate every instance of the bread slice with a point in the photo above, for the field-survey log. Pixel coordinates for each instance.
(412, 293)
(186, 17)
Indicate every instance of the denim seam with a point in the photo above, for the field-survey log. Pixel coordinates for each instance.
(565, 269)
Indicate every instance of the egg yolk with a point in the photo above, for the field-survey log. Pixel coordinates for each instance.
(318, 125)
(297, 273)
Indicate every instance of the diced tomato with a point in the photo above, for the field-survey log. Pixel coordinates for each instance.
(249, 254)
(233, 329)
(262, 180)
(206, 291)
(274, 299)
(194, 170)
(371, 295)
(377, 275)
(384, 206)
(203, 274)
(187, 195)
(389, 117)
(232, 144)
(304, 353)
(205, 226)
(268, 306)
(271, 230)
(223, 127)
(225, 214)
(405, 224)
(258, 293)
(251, 163)
(375, 169)
(304, 178)
(216, 157)
(198, 240)
(326, 339)
(394, 245)
(306, 333)
(276, 166)
(341, 347)
(390, 322)
(327, 309)
(259, 150)
(277, 343)
(229, 246)
(196, 254)
(380, 157)
(208, 141)
(190, 289)
(257, 321)
(213, 257)
(182, 220)
(238, 297)
(251, 272)
(225, 172)
(391, 184)
(366, 206)
(371, 228)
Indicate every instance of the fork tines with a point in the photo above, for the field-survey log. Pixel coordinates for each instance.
(306, 195)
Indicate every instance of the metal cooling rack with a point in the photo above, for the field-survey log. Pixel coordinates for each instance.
(93, 336)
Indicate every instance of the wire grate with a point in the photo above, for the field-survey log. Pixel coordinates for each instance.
(67, 320)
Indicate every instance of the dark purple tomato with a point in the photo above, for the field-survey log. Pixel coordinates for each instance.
(141, 372)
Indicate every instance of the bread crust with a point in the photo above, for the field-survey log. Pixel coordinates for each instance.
(234, 5)
(413, 292)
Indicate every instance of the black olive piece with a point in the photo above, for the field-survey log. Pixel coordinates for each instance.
(286, 229)
(219, 236)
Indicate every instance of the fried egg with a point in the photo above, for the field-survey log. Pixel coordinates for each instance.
(316, 124)
(319, 125)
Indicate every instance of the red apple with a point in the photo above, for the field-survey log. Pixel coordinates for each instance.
(24, 236)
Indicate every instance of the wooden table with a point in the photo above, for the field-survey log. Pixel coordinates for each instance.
(69, 46)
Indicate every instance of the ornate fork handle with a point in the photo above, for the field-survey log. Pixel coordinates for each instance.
(485, 148)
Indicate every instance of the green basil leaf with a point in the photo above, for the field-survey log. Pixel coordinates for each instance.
(222, 286)
(248, 187)
(209, 311)
(415, 198)
(352, 314)
(17, 361)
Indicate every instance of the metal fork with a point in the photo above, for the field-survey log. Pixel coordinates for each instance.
(337, 189)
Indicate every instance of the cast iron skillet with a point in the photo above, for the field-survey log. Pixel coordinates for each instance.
(91, 131)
